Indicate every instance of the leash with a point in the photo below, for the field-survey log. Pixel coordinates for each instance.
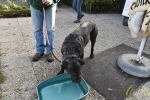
(45, 31)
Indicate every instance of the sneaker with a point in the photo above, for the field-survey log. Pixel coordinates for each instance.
(77, 21)
(37, 57)
(50, 57)
(82, 16)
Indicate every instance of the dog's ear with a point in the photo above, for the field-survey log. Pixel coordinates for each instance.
(81, 61)
(64, 64)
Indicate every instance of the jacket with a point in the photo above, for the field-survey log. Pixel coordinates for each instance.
(37, 4)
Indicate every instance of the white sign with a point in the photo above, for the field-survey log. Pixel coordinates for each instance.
(127, 6)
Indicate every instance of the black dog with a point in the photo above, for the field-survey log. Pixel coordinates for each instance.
(73, 49)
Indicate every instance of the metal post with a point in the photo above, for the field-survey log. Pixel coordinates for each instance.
(141, 49)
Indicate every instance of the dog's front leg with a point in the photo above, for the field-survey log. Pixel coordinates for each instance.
(61, 71)
(82, 55)
(91, 55)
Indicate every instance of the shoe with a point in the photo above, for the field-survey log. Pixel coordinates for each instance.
(82, 16)
(77, 21)
(37, 57)
(50, 57)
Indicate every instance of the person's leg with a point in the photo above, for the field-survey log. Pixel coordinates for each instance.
(74, 4)
(79, 12)
(50, 15)
(37, 20)
(79, 5)
(50, 26)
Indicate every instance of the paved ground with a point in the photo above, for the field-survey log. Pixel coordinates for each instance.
(17, 45)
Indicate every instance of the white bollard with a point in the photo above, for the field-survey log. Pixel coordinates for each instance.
(141, 49)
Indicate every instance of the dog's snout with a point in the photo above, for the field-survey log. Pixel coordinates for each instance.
(76, 80)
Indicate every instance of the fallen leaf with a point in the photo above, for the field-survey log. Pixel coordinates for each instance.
(17, 89)
(110, 89)
(4, 29)
(6, 66)
(26, 89)
(8, 48)
(5, 95)
(44, 75)
(27, 50)
(18, 52)
(35, 95)
(35, 73)
(5, 53)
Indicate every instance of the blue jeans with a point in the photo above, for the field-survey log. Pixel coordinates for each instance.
(37, 20)
(77, 4)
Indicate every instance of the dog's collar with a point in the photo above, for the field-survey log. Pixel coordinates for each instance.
(70, 55)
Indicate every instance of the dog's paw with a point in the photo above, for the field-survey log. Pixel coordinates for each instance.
(91, 57)
(59, 73)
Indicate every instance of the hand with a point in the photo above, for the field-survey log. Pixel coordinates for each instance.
(47, 2)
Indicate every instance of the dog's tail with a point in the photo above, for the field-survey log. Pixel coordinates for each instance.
(93, 36)
(95, 30)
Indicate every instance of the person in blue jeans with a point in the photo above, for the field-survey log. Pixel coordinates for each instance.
(37, 15)
(77, 4)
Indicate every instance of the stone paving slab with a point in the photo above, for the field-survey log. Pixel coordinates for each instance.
(17, 45)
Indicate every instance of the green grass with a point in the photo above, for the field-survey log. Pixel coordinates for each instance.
(2, 78)
(0, 96)
(11, 10)
(13, 7)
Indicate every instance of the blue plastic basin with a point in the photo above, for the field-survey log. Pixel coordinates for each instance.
(62, 88)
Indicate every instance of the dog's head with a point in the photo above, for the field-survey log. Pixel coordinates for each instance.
(73, 67)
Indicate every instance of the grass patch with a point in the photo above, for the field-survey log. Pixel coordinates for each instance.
(13, 10)
(2, 78)
(15, 13)
(1, 97)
